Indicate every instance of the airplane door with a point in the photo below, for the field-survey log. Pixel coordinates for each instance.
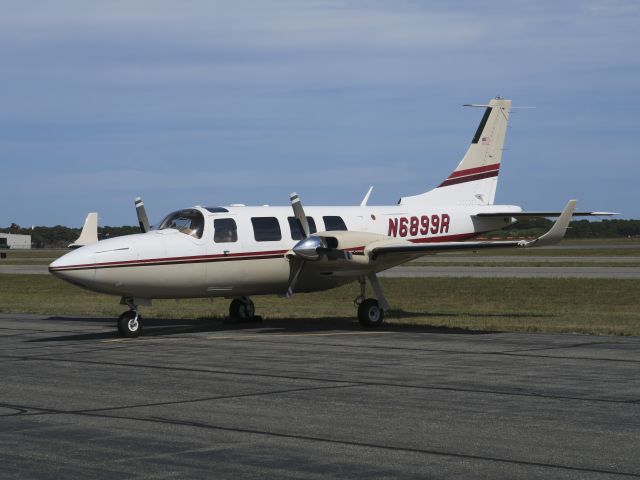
(224, 272)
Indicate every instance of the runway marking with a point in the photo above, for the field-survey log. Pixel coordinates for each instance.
(263, 335)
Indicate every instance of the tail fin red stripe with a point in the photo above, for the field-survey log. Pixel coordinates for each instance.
(469, 178)
(470, 171)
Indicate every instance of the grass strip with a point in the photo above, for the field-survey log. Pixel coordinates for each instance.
(590, 306)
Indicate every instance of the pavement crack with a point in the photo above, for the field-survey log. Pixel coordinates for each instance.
(334, 441)
(208, 399)
(340, 381)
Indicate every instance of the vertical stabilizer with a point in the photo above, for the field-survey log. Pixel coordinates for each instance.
(89, 233)
(475, 179)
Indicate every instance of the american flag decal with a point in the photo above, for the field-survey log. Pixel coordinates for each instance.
(486, 140)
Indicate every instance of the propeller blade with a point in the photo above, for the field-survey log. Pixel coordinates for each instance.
(298, 212)
(143, 221)
(294, 279)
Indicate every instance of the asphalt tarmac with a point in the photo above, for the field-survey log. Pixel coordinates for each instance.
(512, 272)
(313, 399)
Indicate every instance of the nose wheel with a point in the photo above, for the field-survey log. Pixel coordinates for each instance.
(130, 322)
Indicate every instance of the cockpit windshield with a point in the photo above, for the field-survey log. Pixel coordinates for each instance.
(189, 222)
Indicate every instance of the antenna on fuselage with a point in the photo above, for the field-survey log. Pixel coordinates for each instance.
(366, 197)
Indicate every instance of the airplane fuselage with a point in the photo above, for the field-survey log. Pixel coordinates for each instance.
(167, 263)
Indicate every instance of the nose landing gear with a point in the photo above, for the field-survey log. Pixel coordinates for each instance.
(130, 322)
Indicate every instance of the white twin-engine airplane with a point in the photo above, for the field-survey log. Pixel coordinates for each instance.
(238, 251)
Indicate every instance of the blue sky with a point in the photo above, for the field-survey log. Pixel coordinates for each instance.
(205, 102)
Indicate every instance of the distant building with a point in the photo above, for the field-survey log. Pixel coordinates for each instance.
(15, 242)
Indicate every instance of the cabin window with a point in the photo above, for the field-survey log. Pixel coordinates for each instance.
(225, 230)
(189, 221)
(333, 223)
(296, 231)
(266, 229)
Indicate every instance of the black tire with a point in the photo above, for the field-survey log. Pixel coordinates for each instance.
(370, 314)
(130, 324)
(241, 310)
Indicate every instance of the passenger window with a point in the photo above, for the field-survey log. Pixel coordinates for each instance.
(333, 223)
(225, 230)
(266, 229)
(296, 231)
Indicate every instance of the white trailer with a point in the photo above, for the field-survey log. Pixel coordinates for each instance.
(14, 241)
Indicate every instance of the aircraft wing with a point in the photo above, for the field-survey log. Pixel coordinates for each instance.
(416, 249)
(403, 249)
(540, 214)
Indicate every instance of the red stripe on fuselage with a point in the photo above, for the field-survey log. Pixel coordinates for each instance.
(270, 254)
(174, 260)
(190, 259)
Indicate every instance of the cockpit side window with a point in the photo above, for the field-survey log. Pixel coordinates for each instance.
(189, 221)
(225, 230)
(296, 231)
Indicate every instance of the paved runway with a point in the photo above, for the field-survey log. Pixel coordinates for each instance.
(513, 272)
(313, 399)
(25, 269)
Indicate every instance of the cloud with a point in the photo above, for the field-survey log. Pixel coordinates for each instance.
(99, 98)
(99, 182)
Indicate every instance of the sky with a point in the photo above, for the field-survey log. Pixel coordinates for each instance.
(192, 102)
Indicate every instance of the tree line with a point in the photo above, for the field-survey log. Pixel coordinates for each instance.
(577, 228)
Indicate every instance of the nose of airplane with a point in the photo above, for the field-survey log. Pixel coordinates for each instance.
(76, 267)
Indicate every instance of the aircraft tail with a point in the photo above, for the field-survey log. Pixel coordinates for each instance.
(475, 179)
(89, 233)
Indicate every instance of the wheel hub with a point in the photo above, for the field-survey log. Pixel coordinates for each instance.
(133, 324)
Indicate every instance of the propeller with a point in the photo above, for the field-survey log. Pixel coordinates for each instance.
(143, 221)
(298, 212)
(305, 249)
(311, 247)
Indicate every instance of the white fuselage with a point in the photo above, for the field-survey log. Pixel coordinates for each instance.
(169, 264)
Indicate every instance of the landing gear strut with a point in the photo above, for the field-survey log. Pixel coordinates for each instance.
(242, 309)
(370, 310)
(130, 322)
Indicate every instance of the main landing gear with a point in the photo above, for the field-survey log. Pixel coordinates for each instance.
(370, 310)
(130, 322)
(243, 310)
